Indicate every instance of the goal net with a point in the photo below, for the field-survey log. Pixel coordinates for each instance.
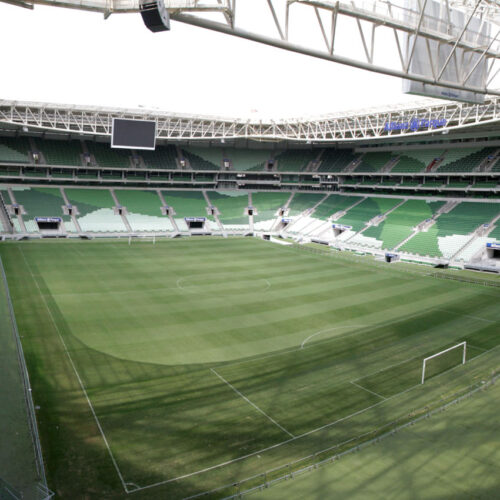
(141, 239)
(444, 360)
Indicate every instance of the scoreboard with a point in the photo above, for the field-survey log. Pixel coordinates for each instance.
(133, 134)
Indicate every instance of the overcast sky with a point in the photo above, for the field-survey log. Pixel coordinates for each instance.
(65, 56)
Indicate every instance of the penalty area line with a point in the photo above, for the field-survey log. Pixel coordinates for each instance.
(476, 347)
(82, 386)
(276, 445)
(250, 402)
(477, 318)
(330, 330)
(367, 390)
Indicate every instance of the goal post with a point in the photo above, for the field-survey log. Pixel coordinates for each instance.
(457, 346)
(146, 239)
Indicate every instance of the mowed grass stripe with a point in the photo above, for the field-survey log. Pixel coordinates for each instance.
(167, 276)
(212, 335)
(165, 421)
(123, 424)
(321, 375)
(287, 326)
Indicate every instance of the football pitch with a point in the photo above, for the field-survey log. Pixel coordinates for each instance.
(165, 370)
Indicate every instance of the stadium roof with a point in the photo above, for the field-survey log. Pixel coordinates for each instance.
(389, 122)
(452, 44)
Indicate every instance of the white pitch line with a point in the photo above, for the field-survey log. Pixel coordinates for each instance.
(476, 347)
(238, 458)
(277, 445)
(465, 315)
(367, 390)
(249, 402)
(330, 330)
(82, 386)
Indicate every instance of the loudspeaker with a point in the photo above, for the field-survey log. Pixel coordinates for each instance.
(155, 16)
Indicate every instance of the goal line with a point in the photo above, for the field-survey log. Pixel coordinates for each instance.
(457, 346)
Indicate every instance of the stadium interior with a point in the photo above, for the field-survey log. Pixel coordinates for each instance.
(206, 307)
(427, 204)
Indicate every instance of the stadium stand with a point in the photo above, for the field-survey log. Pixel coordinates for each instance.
(87, 175)
(14, 150)
(495, 234)
(410, 183)
(143, 210)
(460, 184)
(35, 172)
(95, 207)
(203, 158)
(113, 175)
(107, 157)
(267, 205)
(162, 157)
(303, 201)
(13, 171)
(400, 223)
(231, 206)
(17, 225)
(188, 204)
(484, 185)
(361, 214)
(62, 152)
(38, 202)
(315, 224)
(373, 162)
(433, 184)
(69, 225)
(65, 174)
(333, 204)
(295, 160)
(463, 160)
(451, 230)
(336, 160)
(416, 161)
(247, 159)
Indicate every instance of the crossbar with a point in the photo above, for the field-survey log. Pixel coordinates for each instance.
(464, 344)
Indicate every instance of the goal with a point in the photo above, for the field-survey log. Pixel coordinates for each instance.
(462, 345)
(140, 238)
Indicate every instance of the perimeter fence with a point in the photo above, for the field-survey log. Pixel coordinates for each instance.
(22, 472)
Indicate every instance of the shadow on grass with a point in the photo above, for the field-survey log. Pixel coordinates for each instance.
(160, 420)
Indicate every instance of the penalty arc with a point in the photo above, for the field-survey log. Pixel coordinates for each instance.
(424, 364)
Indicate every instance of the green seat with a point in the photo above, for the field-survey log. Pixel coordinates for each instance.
(361, 214)
(231, 206)
(295, 160)
(61, 152)
(336, 160)
(373, 162)
(399, 224)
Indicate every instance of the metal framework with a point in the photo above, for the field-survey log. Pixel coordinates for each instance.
(375, 35)
(358, 126)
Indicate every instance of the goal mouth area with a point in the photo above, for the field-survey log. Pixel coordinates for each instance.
(444, 360)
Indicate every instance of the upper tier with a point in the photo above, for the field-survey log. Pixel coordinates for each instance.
(79, 153)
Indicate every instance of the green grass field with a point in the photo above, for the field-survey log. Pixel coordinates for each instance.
(455, 454)
(170, 369)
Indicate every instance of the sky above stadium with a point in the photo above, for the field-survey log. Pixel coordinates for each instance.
(65, 56)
